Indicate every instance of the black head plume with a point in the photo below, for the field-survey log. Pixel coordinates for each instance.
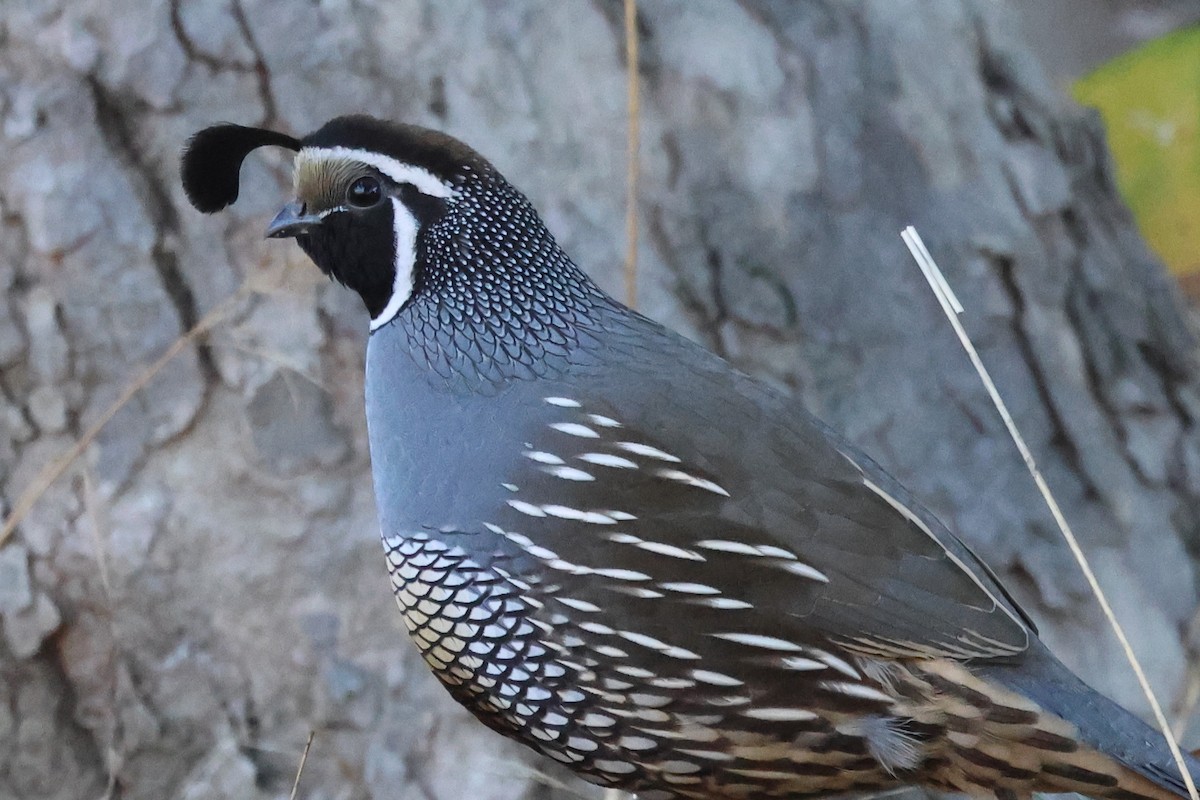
(213, 159)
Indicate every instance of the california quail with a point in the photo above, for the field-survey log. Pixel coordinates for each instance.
(612, 546)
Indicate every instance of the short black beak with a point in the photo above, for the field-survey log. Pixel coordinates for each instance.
(291, 221)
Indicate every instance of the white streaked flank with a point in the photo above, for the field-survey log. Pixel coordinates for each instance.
(724, 603)
(566, 512)
(608, 460)
(805, 571)
(670, 550)
(727, 546)
(562, 402)
(715, 678)
(638, 591)
(577, 604)
(689, 588)
(622, 574)
(543, 457)
(856, 690)
(527, 508)
(780, 714)
(801, 664)
(756, 640)
(643, 640)
(575, 429)
(841, 665)
(639, 449)
(603, 421)
(570, 473)
(688, 479)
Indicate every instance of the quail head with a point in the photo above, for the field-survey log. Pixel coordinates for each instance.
(613, 547)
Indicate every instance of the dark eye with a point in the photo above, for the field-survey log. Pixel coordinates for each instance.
(364, 192)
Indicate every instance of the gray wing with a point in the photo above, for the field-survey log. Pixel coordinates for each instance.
(728, 499)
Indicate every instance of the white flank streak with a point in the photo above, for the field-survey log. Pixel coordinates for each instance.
(765, 642)
(596, 628)
(856, 690)
(801, 664)
(539, 552)
(570, 473)
(404, 224)
(670, 550)
(512, 487)
(643, 640)
(805, 571)
(777, 552)
(727, 546)
(839, 664)
(519, 539)
(579, 605)
(648, 594)
(620, 515)
(623, 575)
(680, 653)
(631, 671)
(527, 508)
(566, 512)
(623, 538)
(603, 421)
(425, 181)
(715, 678)
(610, 652)
(725, 603)
(780, 714)
(562, 402)
(689, 588)
(608, 460)
(639, 449)
(692, 480)
(567, 566)
(542, 457)
(575, 429)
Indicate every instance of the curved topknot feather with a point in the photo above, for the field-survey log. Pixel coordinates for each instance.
(213, 159)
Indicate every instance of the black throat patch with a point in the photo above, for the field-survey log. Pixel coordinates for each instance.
(357, 248)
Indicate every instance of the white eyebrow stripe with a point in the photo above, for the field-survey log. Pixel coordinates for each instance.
(425, 181)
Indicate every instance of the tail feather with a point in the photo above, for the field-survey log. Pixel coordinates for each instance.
(1102, 726)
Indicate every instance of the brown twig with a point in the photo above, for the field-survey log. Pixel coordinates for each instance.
(631, 177)
(55, 469)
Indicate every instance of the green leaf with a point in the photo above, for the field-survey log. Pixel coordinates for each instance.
(1150, 101)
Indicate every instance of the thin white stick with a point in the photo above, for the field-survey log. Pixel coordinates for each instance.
(952, 309)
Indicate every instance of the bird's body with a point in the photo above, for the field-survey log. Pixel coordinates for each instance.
(612, 546)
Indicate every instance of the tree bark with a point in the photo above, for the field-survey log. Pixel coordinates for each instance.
(204, 586)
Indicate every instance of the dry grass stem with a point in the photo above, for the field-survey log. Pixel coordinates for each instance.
(952, 309)
(55, 469)
(312, 734)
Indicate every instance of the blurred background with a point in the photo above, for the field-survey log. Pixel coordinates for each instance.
(202, 585)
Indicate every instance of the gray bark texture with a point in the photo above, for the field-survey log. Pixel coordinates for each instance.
(204, 585)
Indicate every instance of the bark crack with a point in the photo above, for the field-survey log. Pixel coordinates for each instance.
(117, 131)
(1060, 438)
